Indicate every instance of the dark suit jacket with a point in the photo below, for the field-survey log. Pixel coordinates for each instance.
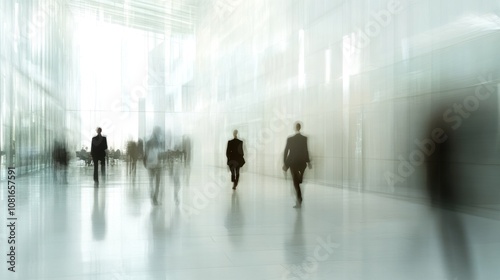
(234, 152)
(296, 153)
(98, 147)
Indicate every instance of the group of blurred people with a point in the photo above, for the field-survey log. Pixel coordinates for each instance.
(156, 157)
(134, 152)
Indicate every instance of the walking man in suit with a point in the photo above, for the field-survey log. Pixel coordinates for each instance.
(235, 160)
(296, 158)
(98, 152)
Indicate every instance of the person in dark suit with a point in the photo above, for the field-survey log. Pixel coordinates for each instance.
(235, 160)
(296, 158)
(98, 153)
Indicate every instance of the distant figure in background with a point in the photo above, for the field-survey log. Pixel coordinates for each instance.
(109, 154)
(186, 150)
(175, 168)
(186, 157)
(296, 157)
(60, 157)
(84, 155)
(117, 155)
(235, 160)
(140, 149)
(153, 157)
(132, 155)
(98, 153)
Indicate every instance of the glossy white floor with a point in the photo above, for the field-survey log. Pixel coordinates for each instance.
(76, 231)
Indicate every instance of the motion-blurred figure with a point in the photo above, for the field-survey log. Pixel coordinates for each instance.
(175, 171)
(116, 157)
(140, 149)
(444, 194)
(186, 154)
(235, 160)
(132, 155)
(186, 150)
(460, 144)
(296, 157)
(60, 157)
(98, 153)
(153, 157)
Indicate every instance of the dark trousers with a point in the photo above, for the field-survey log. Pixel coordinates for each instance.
(297, 174)
(103, 168)
(235, 173)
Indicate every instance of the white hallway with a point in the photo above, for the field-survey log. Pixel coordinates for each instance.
(77, 231)
(377, 85)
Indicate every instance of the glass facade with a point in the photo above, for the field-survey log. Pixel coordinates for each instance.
(39, 82)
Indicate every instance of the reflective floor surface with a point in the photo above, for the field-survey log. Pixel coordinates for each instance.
(205, 230)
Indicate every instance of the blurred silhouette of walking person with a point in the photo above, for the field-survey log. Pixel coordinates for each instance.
(186, 157)
(140, 149)
(235, 160)
(153, 157)
(186, 150)
(296, 157)
(61, 160)
(447, 144)
(132, 155)
(98, 153)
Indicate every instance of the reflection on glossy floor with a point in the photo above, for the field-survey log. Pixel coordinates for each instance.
(76, 231)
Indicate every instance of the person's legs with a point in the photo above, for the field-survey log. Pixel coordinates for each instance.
(103, 169)
(234, 177)
(152, 182)
(177, 182)
(237, 176)
(129, 165)
(302, 170)
(233, 172)
(151, 185)
(134, 164)
(96, 166)
(156, 175)
(296, 176)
